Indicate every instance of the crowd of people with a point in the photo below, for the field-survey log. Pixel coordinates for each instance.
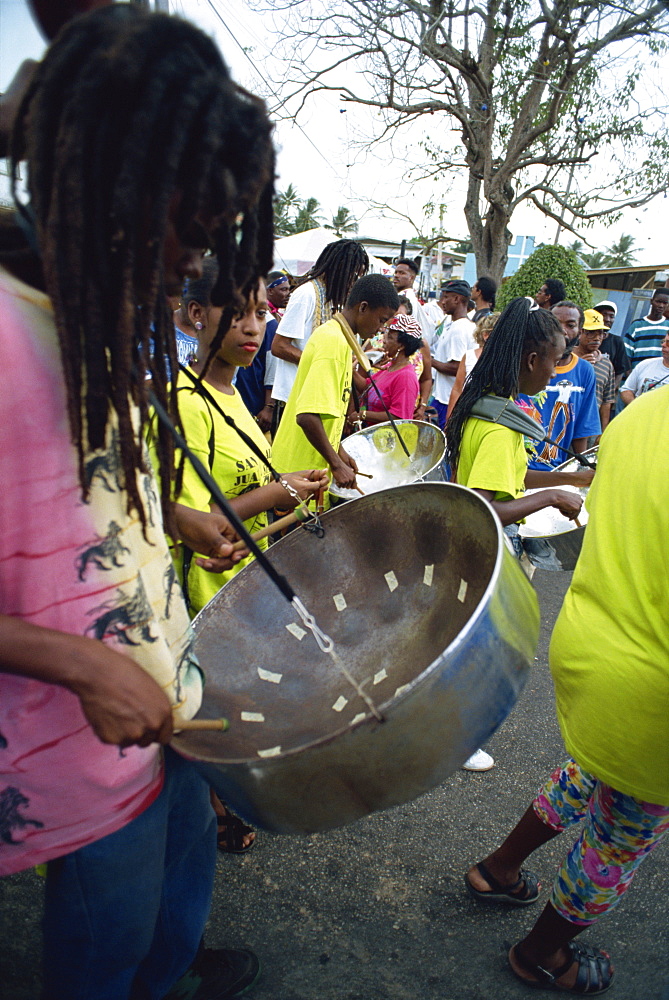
(138, 284)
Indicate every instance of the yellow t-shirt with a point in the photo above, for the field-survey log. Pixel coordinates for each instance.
(235, 468)
(492, 457)
(322, 385)
(610, 648)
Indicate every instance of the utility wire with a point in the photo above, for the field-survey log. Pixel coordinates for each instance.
(342, 181)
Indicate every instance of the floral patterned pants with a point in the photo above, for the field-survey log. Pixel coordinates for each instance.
(618, 833)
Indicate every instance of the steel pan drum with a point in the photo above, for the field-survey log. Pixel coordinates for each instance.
(429, 612)
(552, 541)
(377, 451)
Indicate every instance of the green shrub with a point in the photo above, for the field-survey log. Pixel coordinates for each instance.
(548, 262)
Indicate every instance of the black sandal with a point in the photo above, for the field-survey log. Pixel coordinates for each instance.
(506, 893)
(595, 974)
(231, 833)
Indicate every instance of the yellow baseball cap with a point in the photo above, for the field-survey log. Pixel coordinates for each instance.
(593, 320)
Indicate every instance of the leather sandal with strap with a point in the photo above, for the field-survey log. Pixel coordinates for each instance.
(594, 976)
(231, 834)
(511, 894)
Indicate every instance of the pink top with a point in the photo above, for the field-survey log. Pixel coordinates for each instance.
(399, 389)
(78, 567)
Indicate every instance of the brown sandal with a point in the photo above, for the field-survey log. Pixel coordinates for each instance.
(523, 892)
(231, 833)
(595, 973)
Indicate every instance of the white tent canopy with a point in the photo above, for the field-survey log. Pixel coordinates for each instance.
(296, 254)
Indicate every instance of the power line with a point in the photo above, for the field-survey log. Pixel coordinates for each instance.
(342, 181)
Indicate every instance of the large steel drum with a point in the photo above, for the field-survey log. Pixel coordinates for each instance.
(551, 541)
(378, 453)
(431, 615)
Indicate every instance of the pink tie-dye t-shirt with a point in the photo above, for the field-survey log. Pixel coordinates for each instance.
(78, 567)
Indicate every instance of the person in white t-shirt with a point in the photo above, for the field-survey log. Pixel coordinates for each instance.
(453, 342)
(403, 279)
(650, 374)
(433, 309)
(321, 292)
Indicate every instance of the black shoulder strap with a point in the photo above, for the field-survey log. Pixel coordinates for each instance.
(497, 410)
(188, 553)
(236, 522)
(200, 387)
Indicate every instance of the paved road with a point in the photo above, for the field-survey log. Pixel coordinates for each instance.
(378, 911)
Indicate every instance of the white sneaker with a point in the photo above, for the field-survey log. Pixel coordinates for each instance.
(479, 761)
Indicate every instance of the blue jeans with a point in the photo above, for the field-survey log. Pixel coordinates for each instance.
(442, 412)
(125, 915)
(512, 533)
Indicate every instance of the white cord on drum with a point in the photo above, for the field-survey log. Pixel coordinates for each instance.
(326, 645)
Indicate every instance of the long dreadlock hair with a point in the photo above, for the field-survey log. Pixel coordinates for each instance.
(518, 331)
(132, 118)
(340, 264)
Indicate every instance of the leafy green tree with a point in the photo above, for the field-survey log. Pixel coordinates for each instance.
(308, 216)
(622, 253)
(342, 222)
(285, 202)
(462, 246)
(540, 99)
(548, 262)
(595, 261)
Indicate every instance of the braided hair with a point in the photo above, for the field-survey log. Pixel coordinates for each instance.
(340, 264)
(199, 289)
(130, 122)
(519, 330)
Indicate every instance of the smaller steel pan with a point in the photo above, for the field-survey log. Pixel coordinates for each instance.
(550, 540)
(377, 452)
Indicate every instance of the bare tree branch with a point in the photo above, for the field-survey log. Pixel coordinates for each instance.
(525, 84)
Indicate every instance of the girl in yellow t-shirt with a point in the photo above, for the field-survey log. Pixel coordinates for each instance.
(238, 471)
(519, 356)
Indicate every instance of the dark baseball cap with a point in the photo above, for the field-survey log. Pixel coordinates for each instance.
(459, 287)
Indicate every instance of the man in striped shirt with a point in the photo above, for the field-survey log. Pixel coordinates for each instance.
(644, 338)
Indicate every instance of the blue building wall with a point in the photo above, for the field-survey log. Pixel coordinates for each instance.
(521, 248)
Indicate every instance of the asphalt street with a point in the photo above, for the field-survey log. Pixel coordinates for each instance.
(378, 910)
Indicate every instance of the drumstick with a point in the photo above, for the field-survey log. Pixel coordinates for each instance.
(367, 475)
(297, 515)
(364, 361)
(578, 522)
(221, 725)
(301, 513)
(361, 492)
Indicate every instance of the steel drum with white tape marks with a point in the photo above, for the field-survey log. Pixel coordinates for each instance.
(434, 622)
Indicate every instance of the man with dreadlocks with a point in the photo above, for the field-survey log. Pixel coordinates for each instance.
(319, 294)
(131, 129)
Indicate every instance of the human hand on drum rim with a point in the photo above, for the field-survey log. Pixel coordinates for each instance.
(569, 504)
(307, 484)
(344, 470)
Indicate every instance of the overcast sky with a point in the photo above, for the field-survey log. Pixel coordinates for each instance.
(320, 154)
